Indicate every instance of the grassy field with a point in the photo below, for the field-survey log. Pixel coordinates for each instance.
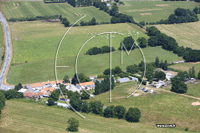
(23, 116)
(138, 9)
(187, 66)
(193, 90)
(186, 34)
(39, 8)
(156, 108)
(36, 43)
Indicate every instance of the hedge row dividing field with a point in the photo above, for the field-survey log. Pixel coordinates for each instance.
(39, 8)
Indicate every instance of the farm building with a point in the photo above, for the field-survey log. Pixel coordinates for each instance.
(121, 80)
(159, 84)
(33, 95)
(22, 90)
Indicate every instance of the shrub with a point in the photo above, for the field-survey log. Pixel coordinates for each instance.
(133, 115)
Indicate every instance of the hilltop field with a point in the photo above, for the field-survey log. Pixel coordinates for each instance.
(152, 11)
(36, 44)
(20, 9)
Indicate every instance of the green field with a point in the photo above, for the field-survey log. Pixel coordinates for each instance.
(156, 108)
(23, 116)
(37, 42)
(187, 66)
(39, 8)
(193, 90)
(186, 34)
(135, 8)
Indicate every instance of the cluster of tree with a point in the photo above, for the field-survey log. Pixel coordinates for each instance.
(174, 0)
(128, 44)
(142, 42)
(196, 10)
(163, 65)
(116, 70)
(73, 125)
(159, 75)
(178, 85)
(180, 15)
(11, 94)
(160, 39)
(72, 2)
(66, 79)
(102, 6)
(2, 101)
(34, 18)
(18, 87)
(132, 115)
(64, 21)
(197, 0)
(92, 22)
(84, 3)
(96, 50)
(104, 85)
(82, 78)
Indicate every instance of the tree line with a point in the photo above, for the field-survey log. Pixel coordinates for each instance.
(34, 18)
(96, 107)
(96, 50)
(169, 43)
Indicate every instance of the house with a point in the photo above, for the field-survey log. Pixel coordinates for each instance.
(121, 80)
(90, 85)
(47, 91)
(93, 78)
(34, 95)
(159, 84)
(22, 90)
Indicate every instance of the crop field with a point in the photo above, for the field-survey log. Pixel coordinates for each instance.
(152, 11)
(186, 34)
(37, 42)
(159, 107)
(20, 9)
(24, 116)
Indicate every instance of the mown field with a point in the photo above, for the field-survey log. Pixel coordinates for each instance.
(157, 9)
(39, 8)
(159, 107)
(186, 34)
(37, 42)
(23, 116)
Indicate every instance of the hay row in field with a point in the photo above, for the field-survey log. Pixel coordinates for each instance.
(141, 10)
(142, 14)
(163, 5)
(78, 14)
(16, 4)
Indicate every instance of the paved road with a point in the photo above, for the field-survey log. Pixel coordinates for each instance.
(8, 54)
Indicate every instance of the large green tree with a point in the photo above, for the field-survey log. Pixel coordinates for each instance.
(178, 86)
(142, 42)
(133, 115)
(120, 112)
(128, 43)
(73, 124)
